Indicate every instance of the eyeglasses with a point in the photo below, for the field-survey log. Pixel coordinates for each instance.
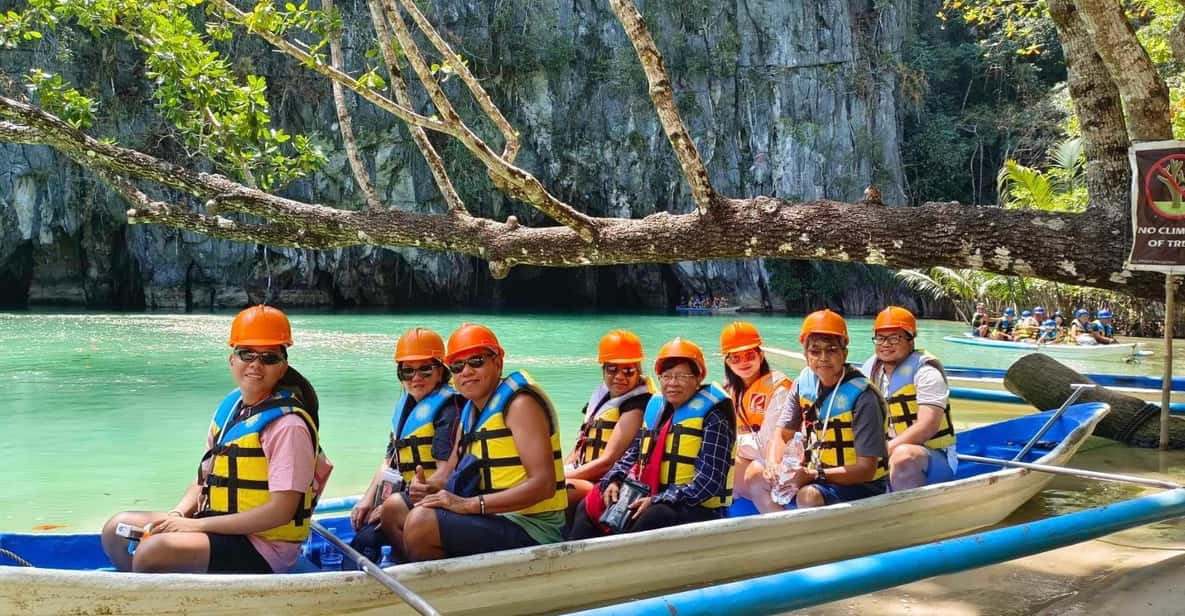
(406, 373)
(626, 371)
(890, 339)
(268, 359)
(671, 377)
(476, 361)
(740, 358)
(820, 351)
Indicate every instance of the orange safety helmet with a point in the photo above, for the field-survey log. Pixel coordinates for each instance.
(419, 343)
(619, 346)
(896, 317)
(823, 322)
(260, 326)
(684, 349)
(739, 336)
(470, 336)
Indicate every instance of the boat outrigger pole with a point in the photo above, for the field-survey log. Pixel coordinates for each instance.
(386, 579)
(1074, 472)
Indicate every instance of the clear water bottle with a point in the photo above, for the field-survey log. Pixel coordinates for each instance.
(331, 559)
(782, 493)
(387, 560)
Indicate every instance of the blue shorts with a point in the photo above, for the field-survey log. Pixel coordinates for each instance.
(938, 470)
(834, 493)
(463, 535)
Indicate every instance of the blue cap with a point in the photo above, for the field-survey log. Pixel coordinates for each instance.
(1058, 313)
(1008, 312)
(1050, 323)
(1026, 313)
(1039, 310)
(1081, 312)
(1104, 314)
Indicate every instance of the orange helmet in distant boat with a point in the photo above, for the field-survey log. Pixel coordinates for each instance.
(683, 349)
(619, 346)
(260, 326)
(739, 336)
(823, 322)
(418, 344)
(469, 337)
(896, 317)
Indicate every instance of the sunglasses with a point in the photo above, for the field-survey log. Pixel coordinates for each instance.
(740, 358)
(476, 361)
(268, 359)
(613, 369)
(406, 373)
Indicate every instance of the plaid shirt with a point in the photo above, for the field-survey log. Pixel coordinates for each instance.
(712, 465)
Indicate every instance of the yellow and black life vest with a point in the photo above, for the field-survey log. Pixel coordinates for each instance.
(600, 418)
(832, 433)
(684, 439)
(488, 439)
(902, 397)
(238, 473)
(756, 398)
(413, 428)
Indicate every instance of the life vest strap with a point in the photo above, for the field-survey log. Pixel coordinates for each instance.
(218, 481)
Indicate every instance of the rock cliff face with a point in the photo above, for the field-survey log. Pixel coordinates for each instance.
(784, 98)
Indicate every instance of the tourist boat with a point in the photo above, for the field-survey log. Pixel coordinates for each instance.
(67, 575)
(695, 310)
(1078, 351)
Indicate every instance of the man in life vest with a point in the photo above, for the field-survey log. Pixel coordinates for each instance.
(913, 382)
(1101, 329)
(754, 387)
(1081, 329)
(250, 507)
(1027, 328)
(842, 416)
(1005, 326)
(682, 457)
(979, 321)
(506, 489)
(612, 415)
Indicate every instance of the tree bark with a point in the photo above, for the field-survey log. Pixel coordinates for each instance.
(1045, 383)
(1177, 40)
(1144, 93)
(1100, 114)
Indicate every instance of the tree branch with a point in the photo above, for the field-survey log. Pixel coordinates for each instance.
(664, 103)
(15, 133)
(361, 175)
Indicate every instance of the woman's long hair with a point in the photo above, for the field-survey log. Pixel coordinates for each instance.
(303, 390)
(736, 385)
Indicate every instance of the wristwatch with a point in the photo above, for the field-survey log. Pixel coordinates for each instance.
(821, 475)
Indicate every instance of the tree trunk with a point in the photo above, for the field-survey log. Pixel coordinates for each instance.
(1177, 40)
(1045, 383)
(1100, 114)
(1145, 95)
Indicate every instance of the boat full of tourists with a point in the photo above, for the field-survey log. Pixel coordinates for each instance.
(1119, 350)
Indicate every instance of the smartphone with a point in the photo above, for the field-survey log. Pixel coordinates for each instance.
(129, 532)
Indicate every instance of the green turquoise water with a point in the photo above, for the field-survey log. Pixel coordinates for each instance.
(105, 412)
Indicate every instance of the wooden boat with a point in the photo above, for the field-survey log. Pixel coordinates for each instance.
(1079, 351)
(571, 575)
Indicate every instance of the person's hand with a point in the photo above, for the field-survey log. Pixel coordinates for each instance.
(640, 506)
(419, 487)
(362, 512)
(174, 524)
(611, 493)
(801, 477)
(447, 500)
(770, 472)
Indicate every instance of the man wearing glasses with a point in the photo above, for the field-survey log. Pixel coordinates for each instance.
(843, 417)
(921, 433)
(506, 489)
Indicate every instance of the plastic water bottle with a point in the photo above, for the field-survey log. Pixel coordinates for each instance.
(782, 493)
(331, 559)
(387, 560)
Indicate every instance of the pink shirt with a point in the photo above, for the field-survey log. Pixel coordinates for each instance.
(289, 452)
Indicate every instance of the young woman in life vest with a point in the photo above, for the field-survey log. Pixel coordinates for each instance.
(423, 426)
(611, 417)
(246, 512)
(753, 387)
(683, 454)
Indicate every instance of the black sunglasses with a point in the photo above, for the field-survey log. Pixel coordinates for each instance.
(268, 359)
(613, 369)
(476, 361)
(406, 373)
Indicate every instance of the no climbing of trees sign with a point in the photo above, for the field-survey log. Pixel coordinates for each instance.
(1158, 206)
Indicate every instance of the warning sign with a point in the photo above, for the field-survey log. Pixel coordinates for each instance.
(1158, 206)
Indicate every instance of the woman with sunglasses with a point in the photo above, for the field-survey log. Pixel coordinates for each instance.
(612, 416)
(249, 509)
(754, 387)
(417, 461)
(681, 461)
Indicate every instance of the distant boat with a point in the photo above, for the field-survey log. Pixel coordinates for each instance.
(1080, 351)
(693, 311)
(67, 575)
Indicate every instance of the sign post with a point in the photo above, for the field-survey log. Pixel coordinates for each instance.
(1158, 221)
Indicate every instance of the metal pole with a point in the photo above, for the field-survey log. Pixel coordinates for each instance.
(1166, 389)
(1076, 390)
(386, 579)
(1073, 472)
